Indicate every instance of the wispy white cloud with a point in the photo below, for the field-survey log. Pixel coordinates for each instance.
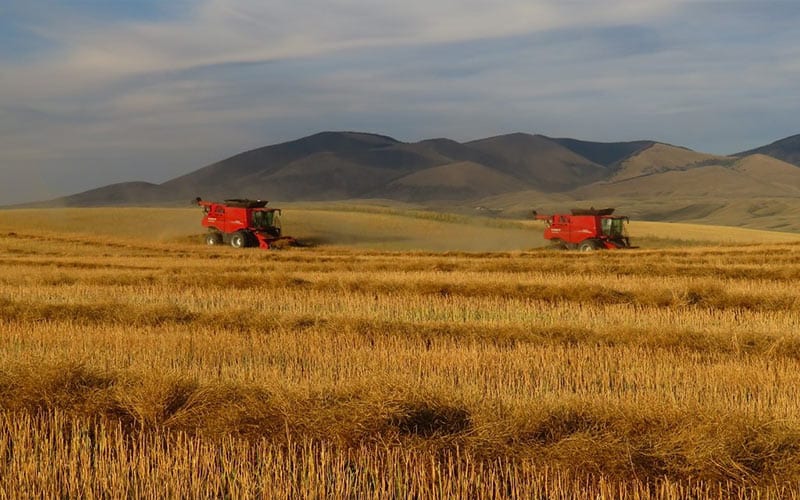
(221, 31)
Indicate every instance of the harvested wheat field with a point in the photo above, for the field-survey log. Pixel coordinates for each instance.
(152, 367)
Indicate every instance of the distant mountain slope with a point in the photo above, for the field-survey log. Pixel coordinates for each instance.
(225, 175)
(340, 165)
(123, 193)
(659, 158)
(507, 174)
(454, 181)
(452, 151)
(783, 176)
(323, 176)
(539, 161)
(604, 153)
(711, 181)
(787, 150)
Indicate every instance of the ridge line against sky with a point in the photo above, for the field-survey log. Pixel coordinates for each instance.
(97, 92)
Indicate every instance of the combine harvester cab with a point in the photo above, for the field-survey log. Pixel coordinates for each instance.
(587, 230)
(243, 223)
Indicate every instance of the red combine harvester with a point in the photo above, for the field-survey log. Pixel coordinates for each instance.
(586, 230)
(243, 223)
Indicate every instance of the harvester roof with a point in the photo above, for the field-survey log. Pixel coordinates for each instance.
(592, 211)
(243, 203)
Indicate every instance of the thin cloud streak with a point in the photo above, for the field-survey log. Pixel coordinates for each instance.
(221, 32)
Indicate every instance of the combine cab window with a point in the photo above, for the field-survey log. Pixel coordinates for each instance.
(263, 219)
(612, 227)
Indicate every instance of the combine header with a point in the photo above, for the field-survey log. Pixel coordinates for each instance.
(586, 229)
(243, 223)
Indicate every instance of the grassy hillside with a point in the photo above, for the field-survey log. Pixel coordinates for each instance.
(608, 154)
(786, 149)
(133, 364)
(784, 177)
(697, 184)
(663, 158)
(539, 161)
(454, 181)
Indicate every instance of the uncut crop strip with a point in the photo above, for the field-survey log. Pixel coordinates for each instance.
(547, 359)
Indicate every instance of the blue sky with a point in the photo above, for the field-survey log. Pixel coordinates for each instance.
(94, 92)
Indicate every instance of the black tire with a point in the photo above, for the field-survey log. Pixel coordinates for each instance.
(239, 239)
(588, 246)
(213, 239)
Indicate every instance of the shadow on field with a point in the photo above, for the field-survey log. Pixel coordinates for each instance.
(429, 419)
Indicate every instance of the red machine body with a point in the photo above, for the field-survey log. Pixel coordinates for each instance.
(587, 230)
(242, 223)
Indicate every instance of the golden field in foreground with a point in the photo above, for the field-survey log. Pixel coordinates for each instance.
(136, 362)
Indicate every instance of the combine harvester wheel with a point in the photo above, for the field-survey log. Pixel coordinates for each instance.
(239, 239)
(213, 239)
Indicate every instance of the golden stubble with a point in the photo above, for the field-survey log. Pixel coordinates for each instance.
(160, 368)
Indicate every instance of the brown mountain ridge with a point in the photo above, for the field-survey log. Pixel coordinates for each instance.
(787, 149)
(347, 165)
(506, 172)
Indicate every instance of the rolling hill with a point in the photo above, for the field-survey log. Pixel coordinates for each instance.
(701, 182)
(539, 162)
(322, 166)
(782, 176)
(348, 165)
(452, 181)
(787, 149)
(607, 154)
(113, 194)
(658, 158)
